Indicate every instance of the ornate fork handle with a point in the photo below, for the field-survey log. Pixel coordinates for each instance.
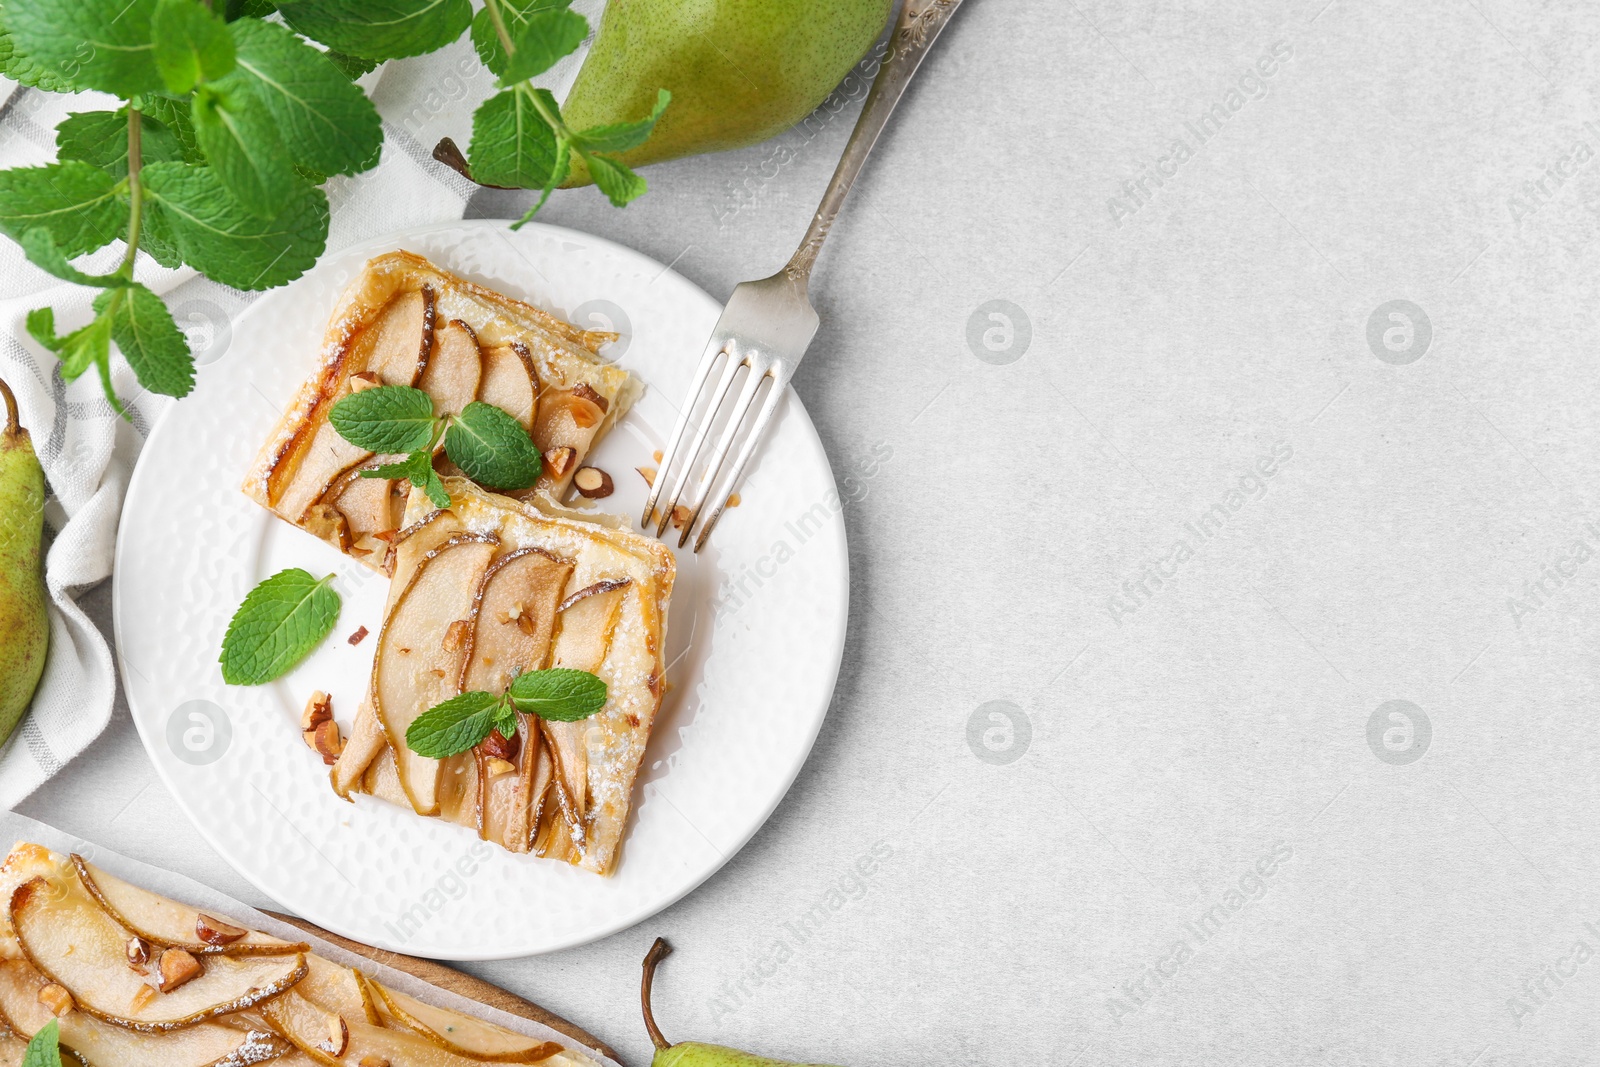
(918, 26)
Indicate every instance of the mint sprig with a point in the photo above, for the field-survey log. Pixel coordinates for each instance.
(519, 138)
(227, 126)
(280, 621)
(456, 725)
(488, 444)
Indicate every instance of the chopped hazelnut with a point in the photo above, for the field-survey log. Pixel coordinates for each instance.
(216, 932)
(370, 1060)
(138, 950)
(455, 635)
(587, 392)
(56, 999)
(560, 460)
(593, 482)
(359, 636)
(142, 996)
(500, 747)
(363, 381)
(680, 516)
(496, 767)
(325, 741)
(177, 967)
(319, 709)
(648, 474)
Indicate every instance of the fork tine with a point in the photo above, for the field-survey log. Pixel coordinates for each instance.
(758, 428)
(686, 470)
(707, 361)
(736, 414)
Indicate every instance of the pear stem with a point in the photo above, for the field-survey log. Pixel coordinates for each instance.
(13, 420)
(658, 952)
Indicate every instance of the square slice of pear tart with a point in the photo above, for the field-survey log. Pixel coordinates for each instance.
(133, 979)
(481, 592)
(404, 321)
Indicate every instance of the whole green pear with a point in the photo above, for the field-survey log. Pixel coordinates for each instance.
(739, 71)
(692, 1053)
(24, 624)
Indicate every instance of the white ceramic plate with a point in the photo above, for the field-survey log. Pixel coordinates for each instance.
(756, 629)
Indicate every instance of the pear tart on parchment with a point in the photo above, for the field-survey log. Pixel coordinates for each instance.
(136, 980)
(483, 590)
(404, 321)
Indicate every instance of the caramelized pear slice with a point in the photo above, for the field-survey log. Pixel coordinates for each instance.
(74, 942)
(510, 381)
(463, 1034)
(586, 618)
(167, 924)
(333, 988)
(417, 664)
(365, 742)
(307, 1028)
(395, 348)
(200, 1045)
(513, 616)
(454, 369)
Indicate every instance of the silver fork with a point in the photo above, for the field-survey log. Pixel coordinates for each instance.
(768, 324)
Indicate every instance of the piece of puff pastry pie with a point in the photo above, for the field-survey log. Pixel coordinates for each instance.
(404, 321)
(482, 591)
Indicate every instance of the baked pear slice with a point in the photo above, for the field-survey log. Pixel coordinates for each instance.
(421, 651)
(70, 939)
(201, 1045)
(166, 924)
(475, 1038)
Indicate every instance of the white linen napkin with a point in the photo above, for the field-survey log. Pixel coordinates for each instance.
(87, 451)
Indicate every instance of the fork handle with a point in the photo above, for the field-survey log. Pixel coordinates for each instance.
(918, 26)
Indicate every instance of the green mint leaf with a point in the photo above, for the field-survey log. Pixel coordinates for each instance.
(149, 340)
(516, 14)
(543, 39)
(621, 136)
(454, 726)
(558, 694)
(77, 203)
(433, 485)
(386, 418)
(240, 138)
(89, 44)
(280, 621)
(491, 447)
(188, 209)
(417, 468)
(563, 165)
(379, 29)
(41, 250)
(248, 9)
(25, 71)
(175, 116)
(351, 67)
(100, 139)
(621, 185)
(505, 720)
(41, 324)
(44, 1049)
(191, 44)
(85, 347)
(512, 144)
(330, 124)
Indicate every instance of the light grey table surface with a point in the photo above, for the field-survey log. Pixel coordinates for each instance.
(1193, 829)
